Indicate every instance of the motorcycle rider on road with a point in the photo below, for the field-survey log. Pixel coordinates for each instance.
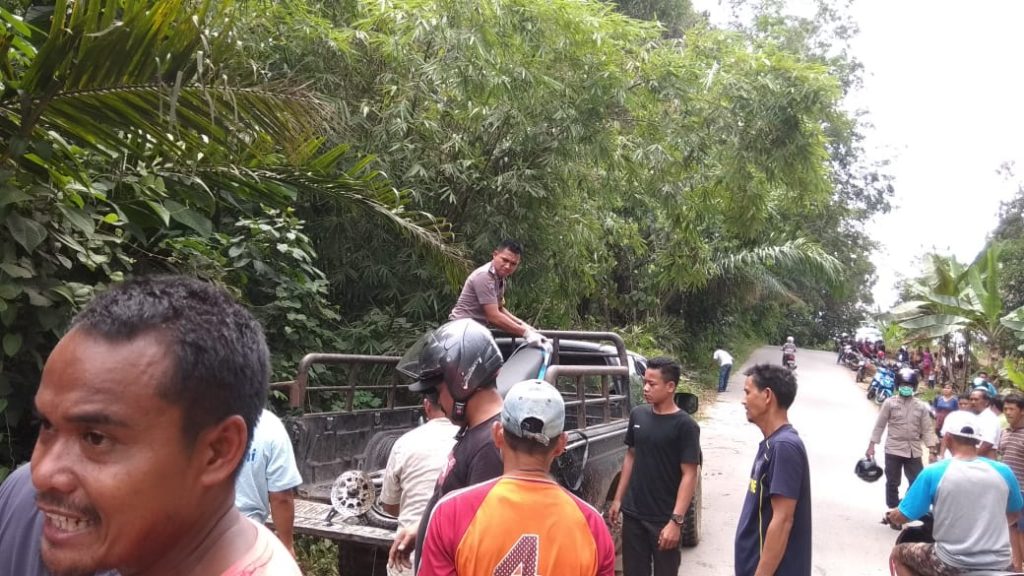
(788, 348)
(972, 500)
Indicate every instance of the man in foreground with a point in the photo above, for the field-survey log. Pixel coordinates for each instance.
(146, 406)
(659, 476)
(910, 425)
(460, 361)
(972, 499)
(523, 522)
(417, 459)
(266, 485)
(483, 294)
(774, 532)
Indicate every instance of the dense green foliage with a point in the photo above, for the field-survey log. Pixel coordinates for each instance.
(339, 165)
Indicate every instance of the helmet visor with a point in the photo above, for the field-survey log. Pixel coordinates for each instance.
(424, 370)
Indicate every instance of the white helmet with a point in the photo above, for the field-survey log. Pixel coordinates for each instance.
(789, 339)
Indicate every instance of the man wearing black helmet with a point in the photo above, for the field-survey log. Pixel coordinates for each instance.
(461, 361)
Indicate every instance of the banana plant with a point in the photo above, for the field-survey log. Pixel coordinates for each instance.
(953, 298)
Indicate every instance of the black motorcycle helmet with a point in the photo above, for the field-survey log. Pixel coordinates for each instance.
(461, 354)
(867, 470)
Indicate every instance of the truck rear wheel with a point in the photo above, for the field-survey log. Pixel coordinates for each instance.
(689, 535)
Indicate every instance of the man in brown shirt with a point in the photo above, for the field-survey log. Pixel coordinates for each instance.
(909, 425)
(483, 294)
(1011, 452)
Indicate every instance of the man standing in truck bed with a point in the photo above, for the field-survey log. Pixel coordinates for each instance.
(461, 361)
(483, 294)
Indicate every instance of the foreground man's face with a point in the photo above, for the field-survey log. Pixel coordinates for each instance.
(111, 466)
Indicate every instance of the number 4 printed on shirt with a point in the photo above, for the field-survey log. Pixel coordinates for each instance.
(521, 560)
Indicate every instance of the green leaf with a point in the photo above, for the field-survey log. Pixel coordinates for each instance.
(28, 233)
(112, 218)
(9, 291)
(160, 211)
(15, 271)
(189, 217)
(79, 219)
(10, 195)
(12, 343)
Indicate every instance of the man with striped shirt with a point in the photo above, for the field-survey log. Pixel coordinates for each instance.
(522, 523)
(1011, 452)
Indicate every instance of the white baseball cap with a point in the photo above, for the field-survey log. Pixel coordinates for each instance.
(533, 409)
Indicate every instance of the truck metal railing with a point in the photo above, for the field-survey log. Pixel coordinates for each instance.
(299, 389)
(605, 399)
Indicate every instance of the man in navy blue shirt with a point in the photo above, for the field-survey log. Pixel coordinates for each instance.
(774, 532)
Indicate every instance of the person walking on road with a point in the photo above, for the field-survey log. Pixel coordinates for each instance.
(774, 531)
(724, 360)
(909, 424)
(659, 476)
(523, 522)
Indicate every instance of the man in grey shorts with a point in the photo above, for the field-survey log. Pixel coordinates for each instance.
(973, 499)
(483, 294)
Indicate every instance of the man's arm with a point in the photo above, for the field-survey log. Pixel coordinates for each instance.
(927, 428)
(777, 536)
(438, 557)
(282, 509)
(620, 490)
(504, 320)
(876, 433)
(669, 537)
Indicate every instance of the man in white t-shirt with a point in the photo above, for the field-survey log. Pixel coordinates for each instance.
(989, 427)
(414, 465)
(266, 484)
(724, 360)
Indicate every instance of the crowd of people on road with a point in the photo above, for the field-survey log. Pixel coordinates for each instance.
(969, 495)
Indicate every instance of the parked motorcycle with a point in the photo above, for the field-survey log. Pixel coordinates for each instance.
(851, 358)
(882, 386)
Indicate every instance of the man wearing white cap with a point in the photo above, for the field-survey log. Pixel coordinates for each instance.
(522, 522)
(972, 500)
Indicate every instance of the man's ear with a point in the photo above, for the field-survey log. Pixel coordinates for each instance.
(219, 450)
(560, 444)
(498, 434)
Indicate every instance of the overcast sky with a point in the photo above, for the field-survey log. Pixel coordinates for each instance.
(944, 90)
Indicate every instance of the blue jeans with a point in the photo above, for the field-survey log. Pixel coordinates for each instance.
(723, 377)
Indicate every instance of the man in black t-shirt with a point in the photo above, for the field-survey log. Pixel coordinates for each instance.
(460, 360)
(774, 532)
(659, 476)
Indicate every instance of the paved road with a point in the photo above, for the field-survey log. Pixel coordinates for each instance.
(834, 419)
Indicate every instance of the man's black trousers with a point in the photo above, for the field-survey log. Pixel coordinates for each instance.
(640, 550)
(896, 466)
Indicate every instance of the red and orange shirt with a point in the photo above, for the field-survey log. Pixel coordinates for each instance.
(519, 526)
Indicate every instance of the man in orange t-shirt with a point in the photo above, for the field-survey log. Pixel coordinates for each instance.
(523, 522)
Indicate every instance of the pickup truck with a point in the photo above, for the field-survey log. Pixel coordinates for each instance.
(600, 380)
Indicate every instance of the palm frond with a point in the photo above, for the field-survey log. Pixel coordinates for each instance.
(793, 257)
